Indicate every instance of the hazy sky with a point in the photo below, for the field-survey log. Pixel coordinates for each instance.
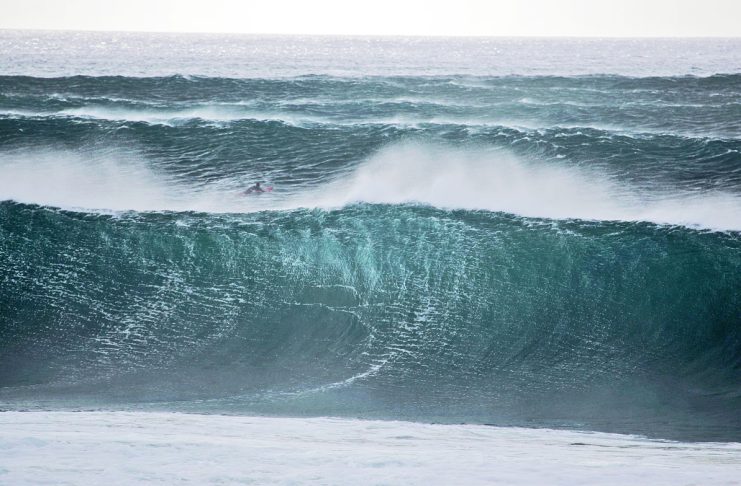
(385, 17)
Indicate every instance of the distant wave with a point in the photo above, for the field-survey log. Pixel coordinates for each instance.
(412, 173)
(219, 113)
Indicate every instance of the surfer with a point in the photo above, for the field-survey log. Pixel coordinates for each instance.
(256, 189)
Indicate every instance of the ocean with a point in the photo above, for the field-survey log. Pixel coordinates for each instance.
(490, 236)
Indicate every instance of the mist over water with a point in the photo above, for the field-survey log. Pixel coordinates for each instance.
(407, 173)
(491, 236)
(498, 181)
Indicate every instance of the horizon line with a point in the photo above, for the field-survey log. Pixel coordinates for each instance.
(442, 36)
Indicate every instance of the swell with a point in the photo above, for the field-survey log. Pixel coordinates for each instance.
(392, 311)
(442, 176)
(511, 109)
(558, 173)
(681, 106)
(697, 122)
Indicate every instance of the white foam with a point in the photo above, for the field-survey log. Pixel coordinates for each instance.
(495, 180)
(70, 180)
(158, 117)
(133, 448)
(236, 111)
(114, 181)
(428, 174)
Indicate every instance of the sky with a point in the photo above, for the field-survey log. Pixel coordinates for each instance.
(597, 18)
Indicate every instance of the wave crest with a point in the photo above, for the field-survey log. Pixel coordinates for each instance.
(478, 178)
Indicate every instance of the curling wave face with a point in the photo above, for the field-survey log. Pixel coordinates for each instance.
(390, 311)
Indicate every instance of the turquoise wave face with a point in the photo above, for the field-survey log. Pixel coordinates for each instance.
(375, 310)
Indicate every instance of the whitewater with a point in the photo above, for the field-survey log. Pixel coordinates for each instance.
(171, 448)
(483, 260)
(430, 174)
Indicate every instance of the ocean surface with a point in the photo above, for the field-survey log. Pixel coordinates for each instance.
(534, 233)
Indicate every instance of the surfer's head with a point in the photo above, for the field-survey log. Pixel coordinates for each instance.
(257, 184)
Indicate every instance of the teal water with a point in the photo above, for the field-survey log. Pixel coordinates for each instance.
(551, 250)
